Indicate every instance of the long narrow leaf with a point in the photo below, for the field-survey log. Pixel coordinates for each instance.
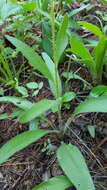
(99, 53)
(92, 28)
(51, 67)
(73, 164)
(62, 39)
(58, 183)
(36, 110)
(19, 142)
(80, 50)
(98, 104)
(17, 101)
(34, 59)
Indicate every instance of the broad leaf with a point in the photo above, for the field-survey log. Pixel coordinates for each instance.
(17, 101)
(62, 39)
(36, 110)
(98, 104)
(92, 28)
(58, 183)
(73, 164)
(19, 142)
(34, 59)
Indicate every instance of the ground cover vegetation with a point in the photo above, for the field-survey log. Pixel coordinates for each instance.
(53, 95)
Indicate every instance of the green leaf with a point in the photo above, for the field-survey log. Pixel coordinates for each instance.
(99, 53)
(104, 1)
(80, 50)
(58, 183)
(19, 142)
(92, 28)
(73, 164)
(35, 93)
(68, 96)
(45, 5)
(22, 90)
(91, 130)
(78, 10)
(17, 101)
(53, 85)
(98, 91)
(9, 9)
(40, 85)
(71, 75)
(4, 116)
(69, 1)
(32, 85)
(1, 91)
(33, 125)
(62, 39)
(29, 6)
(46, 39)
(98, 104)
(36, 110)
(34, 59)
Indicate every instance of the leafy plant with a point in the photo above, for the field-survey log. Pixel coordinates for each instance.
(28, 111)
(6, 70)
(103, 1)
(96, 61)
(35, 87)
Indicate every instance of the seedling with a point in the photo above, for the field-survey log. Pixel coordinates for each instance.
(34, 87)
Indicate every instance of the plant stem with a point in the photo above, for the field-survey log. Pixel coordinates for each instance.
(67, 124)
(54, 46)
(55, 59)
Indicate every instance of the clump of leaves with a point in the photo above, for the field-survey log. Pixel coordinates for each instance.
(96, 61)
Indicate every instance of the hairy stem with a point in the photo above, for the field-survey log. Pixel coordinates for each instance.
(54, 46)
(55, 59)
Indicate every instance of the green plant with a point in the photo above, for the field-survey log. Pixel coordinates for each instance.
(6, 70)
(103, 1)
(96, 61)
(67, 155)
(34, 87)
(9, 73)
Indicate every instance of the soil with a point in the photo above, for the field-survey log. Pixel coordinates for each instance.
(32, 165)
